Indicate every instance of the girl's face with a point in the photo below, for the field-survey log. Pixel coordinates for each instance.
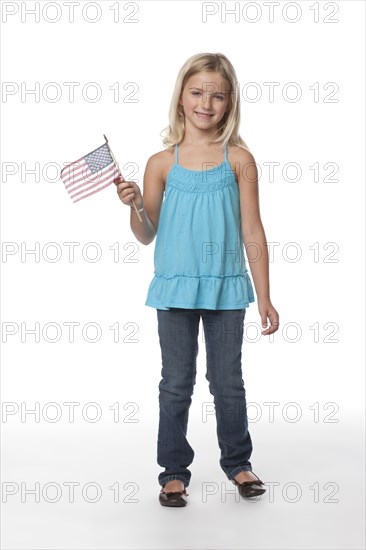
(205, 99)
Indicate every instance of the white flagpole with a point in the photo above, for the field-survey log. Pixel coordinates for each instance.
(113, 157)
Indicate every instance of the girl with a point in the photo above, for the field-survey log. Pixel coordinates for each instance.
(208, 180)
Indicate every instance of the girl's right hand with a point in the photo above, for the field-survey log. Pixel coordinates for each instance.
(128, 190)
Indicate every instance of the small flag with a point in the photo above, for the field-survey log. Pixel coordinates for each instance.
(90, 174)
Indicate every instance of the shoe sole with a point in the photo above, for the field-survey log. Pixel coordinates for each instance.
(255, 493)
(173, 505)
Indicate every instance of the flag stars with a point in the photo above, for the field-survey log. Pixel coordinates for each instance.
(99, 159)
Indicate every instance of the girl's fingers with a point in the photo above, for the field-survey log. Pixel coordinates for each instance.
(122, 186)
(126, 191)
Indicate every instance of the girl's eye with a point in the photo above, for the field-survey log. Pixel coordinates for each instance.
(217, 96)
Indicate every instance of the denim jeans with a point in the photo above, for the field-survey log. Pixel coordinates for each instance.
(178, 335)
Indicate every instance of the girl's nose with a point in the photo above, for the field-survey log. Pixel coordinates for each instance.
(206, 101)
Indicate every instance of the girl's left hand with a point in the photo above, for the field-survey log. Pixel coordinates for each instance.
(266, 310)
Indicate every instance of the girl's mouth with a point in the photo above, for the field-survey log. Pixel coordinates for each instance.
(204, 116)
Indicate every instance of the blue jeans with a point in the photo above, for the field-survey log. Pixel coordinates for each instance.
(178, 335)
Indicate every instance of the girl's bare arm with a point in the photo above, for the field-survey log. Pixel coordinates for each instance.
(251, 224)
(152, 198)
(146, 230)
(254, 236)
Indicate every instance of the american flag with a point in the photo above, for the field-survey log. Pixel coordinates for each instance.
(90, 174)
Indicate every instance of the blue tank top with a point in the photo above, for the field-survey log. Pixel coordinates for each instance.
(199, 260)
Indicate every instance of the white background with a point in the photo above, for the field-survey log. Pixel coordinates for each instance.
(316, 228)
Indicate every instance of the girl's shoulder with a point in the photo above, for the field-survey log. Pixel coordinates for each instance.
(163, 156)
(240, 154)
(163, 161)
(240, 159)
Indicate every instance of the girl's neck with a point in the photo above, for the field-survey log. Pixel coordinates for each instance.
(196, 138)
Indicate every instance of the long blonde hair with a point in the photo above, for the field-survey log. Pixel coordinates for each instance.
(229, 129)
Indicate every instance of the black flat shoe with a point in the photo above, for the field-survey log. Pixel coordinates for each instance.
(173, 498)
(249, 489)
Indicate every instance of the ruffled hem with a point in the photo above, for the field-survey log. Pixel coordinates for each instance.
(202, 292)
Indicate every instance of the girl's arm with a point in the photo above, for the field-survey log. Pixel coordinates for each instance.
(254, 236)
(153, 192)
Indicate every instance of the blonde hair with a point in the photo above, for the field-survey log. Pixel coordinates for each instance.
(206, 62)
